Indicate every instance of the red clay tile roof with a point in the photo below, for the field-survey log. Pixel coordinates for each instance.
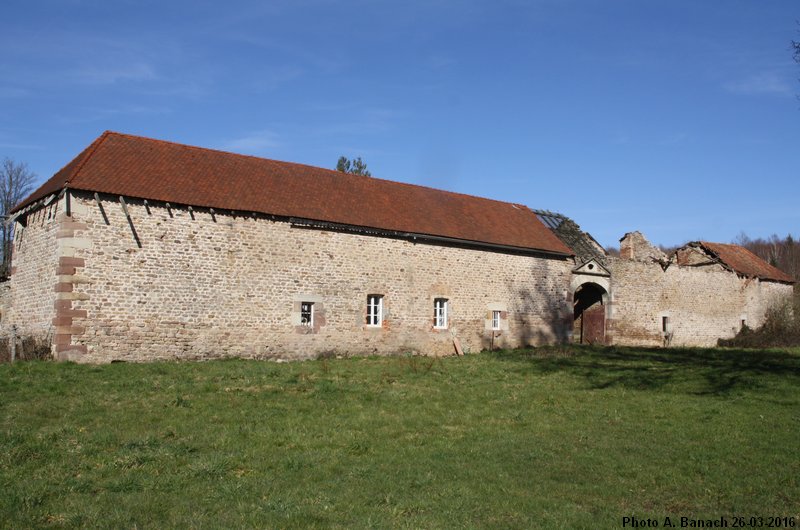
(144, 168)
(745, 262)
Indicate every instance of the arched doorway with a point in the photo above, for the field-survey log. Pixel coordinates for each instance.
(589, 313)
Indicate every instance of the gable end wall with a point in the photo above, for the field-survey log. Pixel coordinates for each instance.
(31, 296)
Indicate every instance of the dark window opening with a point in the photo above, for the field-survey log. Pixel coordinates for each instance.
(307, 314)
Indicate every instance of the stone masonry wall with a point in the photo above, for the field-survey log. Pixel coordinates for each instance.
(31, 294)
(702, 304)
(201, 284)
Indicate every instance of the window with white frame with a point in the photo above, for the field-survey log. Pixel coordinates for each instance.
(440, 313)
(307, 314)
(374, 310)
(495, 320)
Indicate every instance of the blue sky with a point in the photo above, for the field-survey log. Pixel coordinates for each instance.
(676, 118)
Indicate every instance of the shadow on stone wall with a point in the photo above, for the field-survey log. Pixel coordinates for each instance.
(543, 316)
(695, 371)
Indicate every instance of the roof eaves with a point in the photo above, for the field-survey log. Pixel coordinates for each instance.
(62, 178)
(310, 223)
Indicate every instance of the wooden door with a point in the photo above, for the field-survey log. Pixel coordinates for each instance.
(594, 325)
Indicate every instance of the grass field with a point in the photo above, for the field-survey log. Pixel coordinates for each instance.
(552, 437)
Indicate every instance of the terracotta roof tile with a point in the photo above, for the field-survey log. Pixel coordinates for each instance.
(745, 262)
(140, 167)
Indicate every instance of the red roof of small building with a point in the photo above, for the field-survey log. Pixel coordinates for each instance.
(745, 262)
(145, 168)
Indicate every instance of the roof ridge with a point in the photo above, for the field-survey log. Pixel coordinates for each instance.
(91, 151)
(139, 166)
(298, 164)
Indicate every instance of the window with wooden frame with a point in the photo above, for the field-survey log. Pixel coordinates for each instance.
(374, 310)
(440, 313)
(495, 320)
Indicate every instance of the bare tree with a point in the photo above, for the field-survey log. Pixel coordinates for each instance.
(796, 51)
(783, 253)
(16, 183)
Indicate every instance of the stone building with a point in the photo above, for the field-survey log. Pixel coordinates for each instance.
(700, 293)
(141, 249)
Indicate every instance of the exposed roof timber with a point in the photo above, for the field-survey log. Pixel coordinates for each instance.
(741, 261)
(582, 243)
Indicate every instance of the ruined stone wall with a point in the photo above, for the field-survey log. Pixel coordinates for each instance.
(205, 285)
(31, 295)
(702, 304)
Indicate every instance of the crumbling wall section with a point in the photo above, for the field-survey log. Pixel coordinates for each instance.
(635, 246)
(167, 282)
(701, 304)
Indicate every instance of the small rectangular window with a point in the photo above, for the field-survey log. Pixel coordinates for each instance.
(665, 324)
(440, 313)
(374, 310)
(307, 314)
(495, 320)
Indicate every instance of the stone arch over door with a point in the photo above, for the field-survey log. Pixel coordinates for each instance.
(590, 308)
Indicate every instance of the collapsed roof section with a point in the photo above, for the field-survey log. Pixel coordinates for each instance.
(582, 243)
(143, 168)
(733, 257)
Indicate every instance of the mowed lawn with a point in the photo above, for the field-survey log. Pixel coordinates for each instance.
(560, 437)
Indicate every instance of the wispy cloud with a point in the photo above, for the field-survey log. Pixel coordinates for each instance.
(11, 145)
(254, 143)
(763, 83)
(438, 61)
(12, 92)
(106, 76)
(674, 138)
(277, 77)
(89, 115)
(362, 121)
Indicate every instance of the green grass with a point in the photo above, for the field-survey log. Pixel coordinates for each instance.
(553, 437)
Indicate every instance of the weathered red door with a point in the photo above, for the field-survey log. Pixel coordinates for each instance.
(594, 325)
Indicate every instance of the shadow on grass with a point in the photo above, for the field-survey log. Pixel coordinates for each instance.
(699, 371)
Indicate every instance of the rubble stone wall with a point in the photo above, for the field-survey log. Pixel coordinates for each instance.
(171, 282)
(702, 304)
(30, 296)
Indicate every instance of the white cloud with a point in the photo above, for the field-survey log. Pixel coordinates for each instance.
(4, 145)
(107, 76)
(11, 92)
(254, 143)
(764, 83)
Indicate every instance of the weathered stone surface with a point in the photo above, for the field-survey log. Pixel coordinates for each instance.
(31, 297)
(702, 304)
(203, 286)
